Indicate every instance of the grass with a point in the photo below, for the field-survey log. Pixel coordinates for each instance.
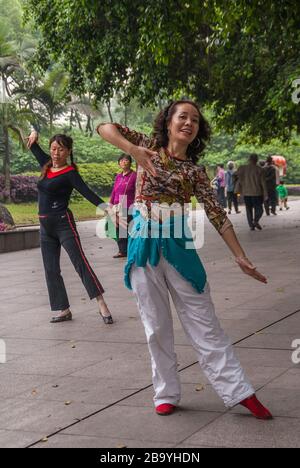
(27, 213)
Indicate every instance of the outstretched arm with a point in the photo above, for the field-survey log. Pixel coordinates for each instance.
(32, 144)
(244, 263)
(130, 142)
(81, 187)
(218, 217)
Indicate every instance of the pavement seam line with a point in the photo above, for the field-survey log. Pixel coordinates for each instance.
(149, 386)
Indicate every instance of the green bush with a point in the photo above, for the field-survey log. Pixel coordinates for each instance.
(99, 177)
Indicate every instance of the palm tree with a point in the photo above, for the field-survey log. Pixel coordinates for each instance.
(8, 63)
(15, 46)
(85, 106)
(51, 93)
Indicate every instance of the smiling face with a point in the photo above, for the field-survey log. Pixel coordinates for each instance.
(59, 154)
(184, 125)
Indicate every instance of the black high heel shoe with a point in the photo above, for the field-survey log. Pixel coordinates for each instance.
(108, 320)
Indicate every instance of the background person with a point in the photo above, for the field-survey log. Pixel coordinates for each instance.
(222, 185)
(271, 178)
(122, 198)
(252, 184)
(230, 181)
(283, 195)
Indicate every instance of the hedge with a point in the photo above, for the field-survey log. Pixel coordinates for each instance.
(23, 188)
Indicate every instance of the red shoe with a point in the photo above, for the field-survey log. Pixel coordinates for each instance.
(256, 408)
(165, 409)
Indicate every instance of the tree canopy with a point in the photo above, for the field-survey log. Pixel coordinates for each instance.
(239, 56)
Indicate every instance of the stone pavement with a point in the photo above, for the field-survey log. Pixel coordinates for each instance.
(84, 384)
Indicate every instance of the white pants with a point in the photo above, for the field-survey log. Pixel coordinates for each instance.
(197, 316)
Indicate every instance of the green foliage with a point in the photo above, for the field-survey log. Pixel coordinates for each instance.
(239, 56)
(86, 150)
(99, 177)
(224, 148)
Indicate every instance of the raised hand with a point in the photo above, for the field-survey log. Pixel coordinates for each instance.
(143, 158)
(33, 138)
(249, 269)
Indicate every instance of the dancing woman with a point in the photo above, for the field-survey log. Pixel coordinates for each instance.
(157, 266)
(58, 228)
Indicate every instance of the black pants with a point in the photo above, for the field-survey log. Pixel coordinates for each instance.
(254, 204)
(221, 197)
(271, 201)
(57, 231)
(122, 236)
(232, 198)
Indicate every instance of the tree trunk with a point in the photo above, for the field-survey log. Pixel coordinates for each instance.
(6, 165)
(89, 128)
(71, 119)
(109, 111)
(51, 123)
(78, 120)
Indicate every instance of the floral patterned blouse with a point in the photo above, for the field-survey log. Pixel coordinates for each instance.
(176, 181)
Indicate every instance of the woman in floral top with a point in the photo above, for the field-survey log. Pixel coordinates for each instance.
(159, 264)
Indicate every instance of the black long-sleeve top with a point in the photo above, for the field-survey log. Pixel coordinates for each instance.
(54, 191)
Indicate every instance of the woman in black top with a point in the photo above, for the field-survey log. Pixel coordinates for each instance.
(58, 228)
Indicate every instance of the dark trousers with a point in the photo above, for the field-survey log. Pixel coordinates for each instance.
(271, 201)
(221, 197)
(254, 209)
(60, 231)
(122, 236)
(232, 198)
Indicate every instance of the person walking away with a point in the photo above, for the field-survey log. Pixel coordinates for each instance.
(271, 182)
(252, 185)
(230, 181)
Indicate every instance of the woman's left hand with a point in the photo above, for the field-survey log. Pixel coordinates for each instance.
(33, 138)
(249, 269)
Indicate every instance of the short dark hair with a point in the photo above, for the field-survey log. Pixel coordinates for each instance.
(160, 130)
(125, 156)
(253, 158)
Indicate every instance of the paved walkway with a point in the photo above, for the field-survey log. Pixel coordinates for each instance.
(84, 384)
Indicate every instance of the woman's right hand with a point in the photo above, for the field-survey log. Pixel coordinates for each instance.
(33, 138)
(143, 158)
